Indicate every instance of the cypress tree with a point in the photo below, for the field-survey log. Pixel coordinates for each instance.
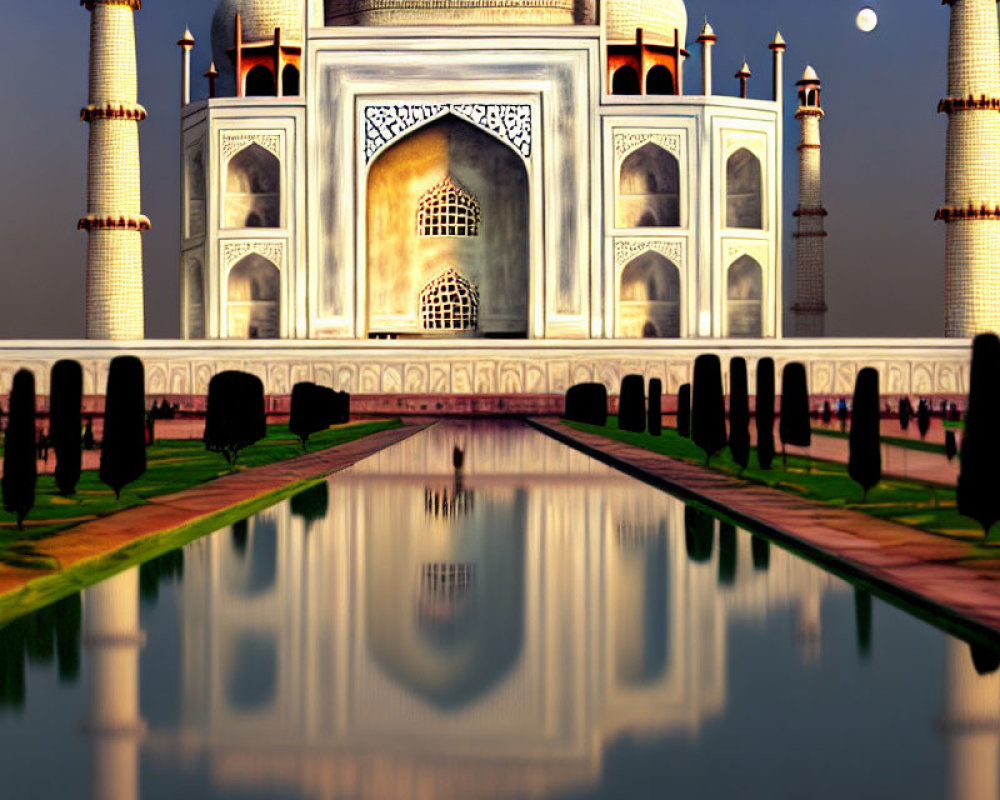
(588, 403)
(905, 412)
(342, 414)
(827, 412)
(684, 411)
(977, 492)
(739, 412)
(765, 412)
(923, 418)
(69, 618)
(864, 463)
(235, 417)
(20, 469)
(123, 445)
(950, 447)
(794, 425)
(708, 408)
(66, 420)
(632, 404)
(311, 410)
(655, 407)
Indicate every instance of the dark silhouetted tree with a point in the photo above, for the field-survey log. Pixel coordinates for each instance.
(66, 420)
(986, 660)
(864, 463)
(342, 408)
(727, 554)
(20, 470)
(632, 404)
(684, 411)
(312, 504)
(905, 412)
(123, 445)
(12, 664)
(863, 620)
(950, 446)
(794, 426)
(760, 549)
(923, 418)
(312, 410)
(588, 403)
(69, 616)
(827, 412)
(708, 407)
(765, 412)
(739, 412)
(699, 534)
(654, 409)
(977, 485)
(89, 442)
(235, 417)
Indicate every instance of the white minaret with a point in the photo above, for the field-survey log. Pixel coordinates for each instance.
(186, 44)
(707, 40)
(809, 310)
(972, 173)
(113, 222)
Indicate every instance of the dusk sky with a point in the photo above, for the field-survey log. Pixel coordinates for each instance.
(883, 152)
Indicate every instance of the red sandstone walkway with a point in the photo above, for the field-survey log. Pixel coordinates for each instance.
(170, 512)
(930, 570)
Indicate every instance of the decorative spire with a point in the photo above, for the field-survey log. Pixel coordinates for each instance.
(212, 74)
(744, 75)
(777, 48)
(186, 43)
(707, 40)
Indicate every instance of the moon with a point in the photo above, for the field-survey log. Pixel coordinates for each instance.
(867, 19)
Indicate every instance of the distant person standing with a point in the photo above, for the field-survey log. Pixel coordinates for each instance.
(842, 414)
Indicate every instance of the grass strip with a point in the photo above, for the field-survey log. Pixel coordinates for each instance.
(895, 441)
(925, 506)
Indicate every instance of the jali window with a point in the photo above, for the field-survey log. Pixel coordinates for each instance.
(450, 303)
(448, 210)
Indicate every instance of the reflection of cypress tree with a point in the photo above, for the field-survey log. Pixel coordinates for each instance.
(12, 665)
(66, 395)
(739, 412)
(794, 425)
(727, 554)
(654, 410)
(864, 462)
(765, 412)
(162, 568)
(632, 404)
(977, 492)
(20, 470)
(123, 446)
(40, 632)
(312, 504)
(684, 411)
(986, 660)
(240, 536)
(950, 447)
(863, 619)
(69, 616)
(708, 407)
(699, 533)
(761, 550)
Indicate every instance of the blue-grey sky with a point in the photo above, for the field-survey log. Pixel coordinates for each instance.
(883, 152)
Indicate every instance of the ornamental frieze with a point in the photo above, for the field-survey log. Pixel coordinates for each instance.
(628, 141)
(234, 141)
(273, 251)
(627, 249)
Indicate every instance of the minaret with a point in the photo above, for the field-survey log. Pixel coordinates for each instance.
(707, 40)
(972, 174)
(809, 310)
(113, 221)
(186, 44)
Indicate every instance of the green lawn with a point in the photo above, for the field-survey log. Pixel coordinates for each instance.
(172, 466)
(915, 503)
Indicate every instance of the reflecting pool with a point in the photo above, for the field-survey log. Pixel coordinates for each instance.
(531, 625)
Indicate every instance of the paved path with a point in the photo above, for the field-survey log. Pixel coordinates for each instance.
(102, 536)
(929, 571)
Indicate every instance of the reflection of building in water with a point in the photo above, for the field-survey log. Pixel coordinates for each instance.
(113, 639)
(970, 723)
(494, 653)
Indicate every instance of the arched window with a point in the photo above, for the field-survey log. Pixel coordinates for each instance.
(260, 82)
(649, 189)
(253, 303)
(744, 206)
(659, 80)
(448, 210)
(625, 81)
(195, 280)
(650, 298)
(811, 97)
(290, 80)
(744, 296)
(450, 303)
(253, 189)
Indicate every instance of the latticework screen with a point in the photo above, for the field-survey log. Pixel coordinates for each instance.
(450, 303)
(448, 210)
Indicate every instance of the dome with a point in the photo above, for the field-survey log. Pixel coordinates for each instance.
(809, 76)
(259, 19)
(658, 18)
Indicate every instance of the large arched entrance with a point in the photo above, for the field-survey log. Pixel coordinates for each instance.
(448, 200)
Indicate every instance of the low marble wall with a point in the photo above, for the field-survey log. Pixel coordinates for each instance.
(479, 367)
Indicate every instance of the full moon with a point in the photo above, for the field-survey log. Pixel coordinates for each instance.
(867, 19)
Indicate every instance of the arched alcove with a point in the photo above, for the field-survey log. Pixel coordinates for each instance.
(447, 195)
(649, 302)
(253, 189)
(660, 80)
(290, 80)
(744, 192)
(253, 298)
(194, 279)
(260, 82)
(649, 189)
(625, 81)
(744, 298)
